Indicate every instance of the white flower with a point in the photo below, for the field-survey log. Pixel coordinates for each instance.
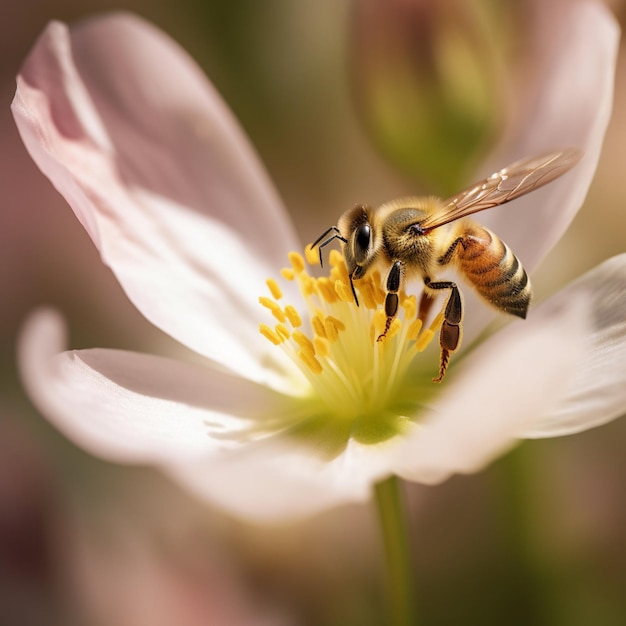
(158, 172)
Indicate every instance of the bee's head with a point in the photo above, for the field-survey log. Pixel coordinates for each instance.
(361, 241)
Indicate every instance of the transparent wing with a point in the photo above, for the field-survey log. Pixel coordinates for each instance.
(509, 183)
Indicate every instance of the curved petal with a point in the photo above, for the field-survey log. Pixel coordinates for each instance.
(572, 108)
(129, 130)
(131, 407)
(597, 392)
(278, 480)
(499, 390)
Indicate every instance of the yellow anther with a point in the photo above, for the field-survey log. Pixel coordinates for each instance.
(409, 304)
(414, 329)
(293, 316)
(437, 322)
(268, 333)
(343, 291)
(340, 272)
(378, 324)
(282, 331)
(272, 285)
(303, 341)
(335, 258)
(332, 332)
(325, 290)
(339, 325)
(312, 255)
(307, 286)
(424, 339)
(287, 273)
(309, 359)
(321, 346)
(297, 262)
(368, 295)
(318, 326)
(274, 307)
(393, 329)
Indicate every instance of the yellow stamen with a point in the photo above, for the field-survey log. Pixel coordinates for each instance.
(427, 336)
(303, 341)
(307, 285)
(339, 325)
(332, 332)
(312, 363)
(312, 256)
(321, 346)
(282, 331)
(275, 290)
(293, 316)
(343, 291)
(268, 333)
(378, 324)
(326, 290)
(297, 262)
(333, 343)
(274, 307)
(414, 329)
(393, 329)
(318, 326)
(409, 304)
(287, 273)
(366, 290)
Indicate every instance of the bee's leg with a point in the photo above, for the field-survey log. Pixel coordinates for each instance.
(394, 278)
(450, 334)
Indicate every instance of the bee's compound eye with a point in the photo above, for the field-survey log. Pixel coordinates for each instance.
(363, 235)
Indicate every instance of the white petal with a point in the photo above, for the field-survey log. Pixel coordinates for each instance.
(573, 108)
(157, 170)
(280, 480)
(498, 391)
(133, 407)
(597, 393)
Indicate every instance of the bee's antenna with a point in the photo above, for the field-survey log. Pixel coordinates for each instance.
(333, 235)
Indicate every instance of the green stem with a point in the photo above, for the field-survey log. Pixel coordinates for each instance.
(400, 579)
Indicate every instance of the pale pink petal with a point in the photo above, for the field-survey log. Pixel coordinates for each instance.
(573, 108)
(133, 407)
(279, 479)
(129, 130)
(597, 392)
(498, 391)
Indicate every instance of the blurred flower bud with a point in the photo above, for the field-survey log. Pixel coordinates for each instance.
(428, 83)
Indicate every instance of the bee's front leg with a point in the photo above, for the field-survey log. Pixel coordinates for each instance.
(451, 329)
(394, 278)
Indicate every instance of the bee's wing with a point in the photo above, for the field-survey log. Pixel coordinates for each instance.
(509, 183)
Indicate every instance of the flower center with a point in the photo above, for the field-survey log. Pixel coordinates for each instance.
(358, 384)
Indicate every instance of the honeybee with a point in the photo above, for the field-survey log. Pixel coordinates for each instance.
(419, 237)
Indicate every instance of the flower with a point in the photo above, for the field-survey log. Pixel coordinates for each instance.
(158, 172)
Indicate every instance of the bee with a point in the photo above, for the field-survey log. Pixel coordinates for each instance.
(421, 236)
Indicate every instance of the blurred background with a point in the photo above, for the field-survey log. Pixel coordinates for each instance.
(538, 538)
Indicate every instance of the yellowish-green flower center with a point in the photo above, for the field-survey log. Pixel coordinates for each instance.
(359, 385)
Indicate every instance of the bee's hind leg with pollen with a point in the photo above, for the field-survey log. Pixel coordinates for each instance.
(450, 334)
(394, 278)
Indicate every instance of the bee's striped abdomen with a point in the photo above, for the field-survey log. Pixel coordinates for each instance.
(496, 273)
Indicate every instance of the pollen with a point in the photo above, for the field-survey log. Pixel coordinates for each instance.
(354, 360)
